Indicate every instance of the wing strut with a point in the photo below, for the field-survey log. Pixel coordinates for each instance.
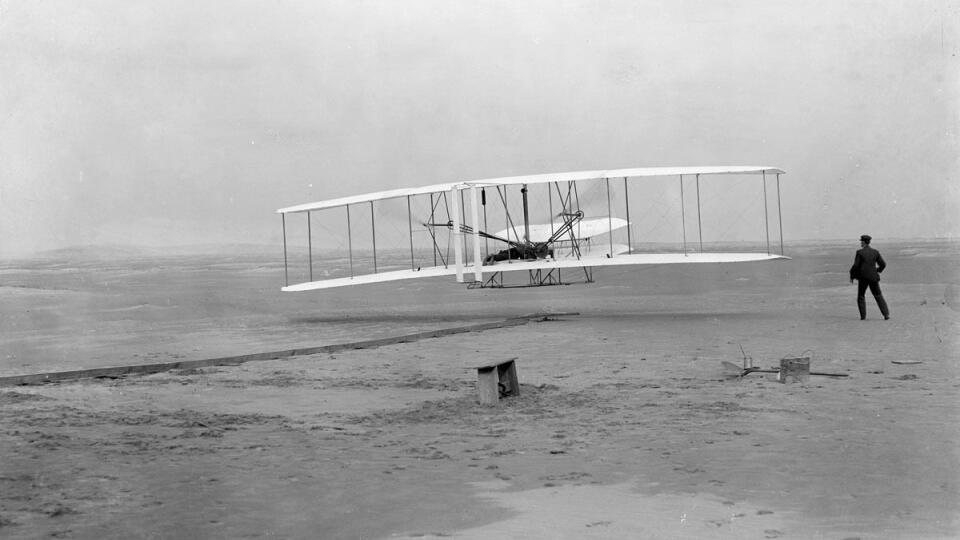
(477, 261)
(463, 217)
(699, 224)
(436, 247)
(766, 218)
(309, 246)
(779, 214)
(526, 215)
(373, 235)
(609, 216)
(506, 213)
(286, 271)
(457, 237)
(483, 202)
(350, 241)
(683, 217)
(550, 202)
(410, 229)
(626, 200)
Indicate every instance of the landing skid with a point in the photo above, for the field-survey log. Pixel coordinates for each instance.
(537, 278)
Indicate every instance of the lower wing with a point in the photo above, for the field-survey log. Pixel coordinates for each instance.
(540, 264)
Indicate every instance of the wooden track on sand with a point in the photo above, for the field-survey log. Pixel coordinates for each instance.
(146, 369)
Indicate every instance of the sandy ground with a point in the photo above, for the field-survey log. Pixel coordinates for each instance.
(627, 425)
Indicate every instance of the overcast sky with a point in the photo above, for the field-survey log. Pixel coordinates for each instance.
(181, 122)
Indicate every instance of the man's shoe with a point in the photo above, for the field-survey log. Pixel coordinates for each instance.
(886, 317)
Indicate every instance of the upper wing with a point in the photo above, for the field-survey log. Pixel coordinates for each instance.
(640, 172)
(367, 197)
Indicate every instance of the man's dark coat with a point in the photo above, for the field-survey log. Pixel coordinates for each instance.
(867, 265)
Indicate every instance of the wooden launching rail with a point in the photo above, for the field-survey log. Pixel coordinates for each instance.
(146, 369)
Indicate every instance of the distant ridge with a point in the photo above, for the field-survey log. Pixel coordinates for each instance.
(125, 251)
(90, 252)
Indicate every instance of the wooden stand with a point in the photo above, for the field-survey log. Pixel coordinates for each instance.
(496, 381)
(795, 369)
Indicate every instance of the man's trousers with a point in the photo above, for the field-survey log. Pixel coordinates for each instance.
(877, 295)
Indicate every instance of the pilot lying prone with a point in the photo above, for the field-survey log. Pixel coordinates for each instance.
(521, 252)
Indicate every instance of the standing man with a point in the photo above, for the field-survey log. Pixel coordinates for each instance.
(866, 268)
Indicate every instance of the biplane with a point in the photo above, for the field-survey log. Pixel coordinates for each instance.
(534, 226)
